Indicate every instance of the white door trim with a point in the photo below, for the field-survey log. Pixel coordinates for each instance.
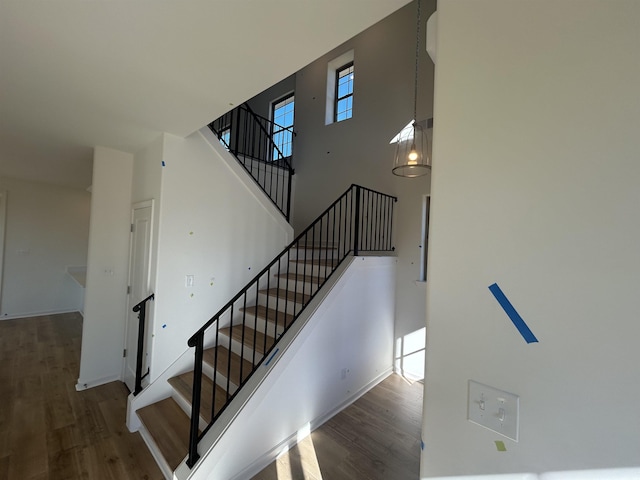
(147, 281)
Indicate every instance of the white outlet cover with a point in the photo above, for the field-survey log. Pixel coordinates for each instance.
(494, 409)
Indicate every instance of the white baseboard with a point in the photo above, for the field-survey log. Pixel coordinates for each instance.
(36, 314)
(268, 458)
(86, 384)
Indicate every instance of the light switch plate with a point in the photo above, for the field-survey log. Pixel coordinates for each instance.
(494, 409)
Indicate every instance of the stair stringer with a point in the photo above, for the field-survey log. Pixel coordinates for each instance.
(346, 331)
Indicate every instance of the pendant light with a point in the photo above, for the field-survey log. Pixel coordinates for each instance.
(412, 157)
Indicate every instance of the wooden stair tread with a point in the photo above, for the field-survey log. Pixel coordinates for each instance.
(298, 297)
(250, 335)
(223, 363)
(183, 384)
(269, 314)
(299, 277)
(169, 426)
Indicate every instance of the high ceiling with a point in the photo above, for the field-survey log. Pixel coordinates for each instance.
(79, 73)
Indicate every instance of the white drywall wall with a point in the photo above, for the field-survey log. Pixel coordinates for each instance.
(535, 187)
(353, 330)
(47, 230)
(107, 268)
(329, 158)
(215, 224)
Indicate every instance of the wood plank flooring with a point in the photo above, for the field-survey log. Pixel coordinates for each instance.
(47, 429)
(376, 438)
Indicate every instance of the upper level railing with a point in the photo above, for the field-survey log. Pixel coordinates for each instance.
(263, 149)
(361, 220)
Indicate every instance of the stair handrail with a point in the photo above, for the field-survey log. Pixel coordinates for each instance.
(365, 221)
(141, 309)
(254, 147)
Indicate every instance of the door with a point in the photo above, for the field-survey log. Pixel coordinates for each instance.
(139, 289)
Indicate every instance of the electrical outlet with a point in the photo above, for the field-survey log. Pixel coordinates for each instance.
(494, 409)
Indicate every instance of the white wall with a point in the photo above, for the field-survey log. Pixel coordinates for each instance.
(215, 224)
(47, 229)
(329, 158)
(107, 268)
(535, 187)
(357, 311)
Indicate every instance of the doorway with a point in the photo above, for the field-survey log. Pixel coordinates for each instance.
(139, 288)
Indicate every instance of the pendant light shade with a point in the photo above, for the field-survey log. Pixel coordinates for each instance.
(412, 157)
(412, 153)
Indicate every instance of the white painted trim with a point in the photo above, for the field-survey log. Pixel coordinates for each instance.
(37, 314)
(265, 460)
(85, 385)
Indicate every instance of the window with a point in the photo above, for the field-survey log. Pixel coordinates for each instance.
(339, 99)
(282, 114)
(344, 93)
(225, 137)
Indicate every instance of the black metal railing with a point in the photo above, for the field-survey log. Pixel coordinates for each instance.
(141, 308)
(250, 138)
(361, 220)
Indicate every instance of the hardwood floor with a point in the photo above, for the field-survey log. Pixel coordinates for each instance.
(50, 431)
(47, 429)
(377, 437)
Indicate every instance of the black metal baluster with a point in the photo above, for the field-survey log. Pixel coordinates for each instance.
(356, 236)
(195, 400)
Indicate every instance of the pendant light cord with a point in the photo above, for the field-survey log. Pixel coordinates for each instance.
(415, 85)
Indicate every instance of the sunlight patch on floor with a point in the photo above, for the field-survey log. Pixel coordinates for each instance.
(300, 461)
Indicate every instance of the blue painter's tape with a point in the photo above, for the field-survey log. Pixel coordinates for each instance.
(515, 317)
(421, 444)
(271, 357)
(163, 164)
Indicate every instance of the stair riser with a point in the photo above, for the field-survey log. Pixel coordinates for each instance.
(185, 405)
(268, 327)
(298, 286)
(310, 269)
(280, 304)
(221, 378)
(247, 352)
(309, 253)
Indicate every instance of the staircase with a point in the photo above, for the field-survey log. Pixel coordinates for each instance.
(244, 334)
(230, 361)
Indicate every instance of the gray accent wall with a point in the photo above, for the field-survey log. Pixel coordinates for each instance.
(329, 158)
